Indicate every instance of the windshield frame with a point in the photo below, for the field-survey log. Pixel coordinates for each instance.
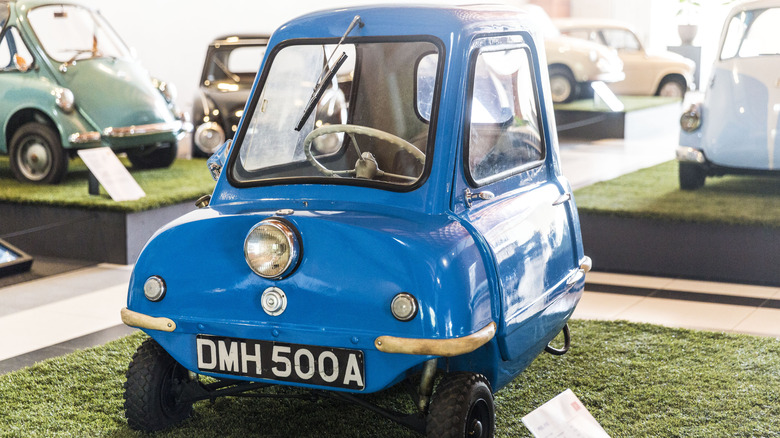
(253, 102)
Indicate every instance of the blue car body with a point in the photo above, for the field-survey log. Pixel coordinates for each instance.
(496, 264)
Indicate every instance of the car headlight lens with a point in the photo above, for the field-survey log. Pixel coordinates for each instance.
(272, 249)
(209, 136)
(64, 99)
(404, 306)
(154, 288)
(691, 119)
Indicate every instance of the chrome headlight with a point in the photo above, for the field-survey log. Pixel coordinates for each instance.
(209, 136)
(64, 98)
(154, 288)
(691, 119)
(272, 248)
(404, 306)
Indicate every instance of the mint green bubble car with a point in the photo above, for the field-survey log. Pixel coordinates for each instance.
(68, 82)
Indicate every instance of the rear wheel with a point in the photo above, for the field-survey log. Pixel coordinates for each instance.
(671, 86)
(154, 383)
(462, 407)
(153, 157)
(36, 154)
(692, 176)
(563, 87)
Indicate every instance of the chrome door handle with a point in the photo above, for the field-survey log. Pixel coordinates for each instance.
(469, 196)
(562, 199)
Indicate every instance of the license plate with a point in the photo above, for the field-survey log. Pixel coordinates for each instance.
(310, 364)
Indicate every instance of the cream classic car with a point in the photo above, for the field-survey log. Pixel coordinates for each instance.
(659, 74)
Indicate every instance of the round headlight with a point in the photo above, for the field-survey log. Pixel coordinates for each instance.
(404, 306)
(690, 120)
(64, 99)
(209, 136)
(272, 249)
(154, 288)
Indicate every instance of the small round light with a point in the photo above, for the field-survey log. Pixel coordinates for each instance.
(154, 288)
(64, 99)
(209, 136)
(404, 306)
(690, 119)
(271, 249)
(273, 301)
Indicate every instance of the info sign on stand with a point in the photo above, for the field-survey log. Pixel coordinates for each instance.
(111, 174)
(563, 417)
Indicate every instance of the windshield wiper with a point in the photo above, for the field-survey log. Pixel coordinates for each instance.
(327, 74)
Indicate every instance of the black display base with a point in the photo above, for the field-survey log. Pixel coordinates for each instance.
(71, 233)
(636, 124)
(729, 253)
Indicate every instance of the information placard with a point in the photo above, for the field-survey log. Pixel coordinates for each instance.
(563, 417)
(111, 174)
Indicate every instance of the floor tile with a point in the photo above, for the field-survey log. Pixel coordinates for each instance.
(686, 314)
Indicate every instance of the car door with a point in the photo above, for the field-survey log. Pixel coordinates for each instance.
(506, 190)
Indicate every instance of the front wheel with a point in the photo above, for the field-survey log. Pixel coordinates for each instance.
(462, 407)
(154, 157)
(152, 390)
(563, 86)
(36, 154)
(692, 176)
(671, 87)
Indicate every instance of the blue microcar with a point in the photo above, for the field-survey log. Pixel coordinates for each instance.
(391, 209)
(734, 131)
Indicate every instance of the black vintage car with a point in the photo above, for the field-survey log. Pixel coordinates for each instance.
(228, 72)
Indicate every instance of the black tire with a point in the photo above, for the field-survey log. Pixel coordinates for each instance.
(462, 407)
(154, 380)
(36, 154)
(153, 157)
(672, 86)
(692, 176)
(563, 86)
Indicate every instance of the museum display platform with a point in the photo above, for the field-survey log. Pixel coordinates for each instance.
(642, 223)
(64, 221)
(640, 117)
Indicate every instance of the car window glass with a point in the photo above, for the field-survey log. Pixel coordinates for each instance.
(504, 130)
(14, 55)
(426, 82)
(620, 39)
(71, 33)
(761, 37)
(246, 59)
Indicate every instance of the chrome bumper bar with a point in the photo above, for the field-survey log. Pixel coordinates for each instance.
(436, 347)
(135, 319)
(176, 127)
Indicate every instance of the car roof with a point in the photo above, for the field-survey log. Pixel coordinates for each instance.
(589, 23)
(242, 39)
(755, 4)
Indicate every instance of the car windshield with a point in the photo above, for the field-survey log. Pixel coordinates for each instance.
(230, 65)
(752, 33)
(352, 114)
(70, 32)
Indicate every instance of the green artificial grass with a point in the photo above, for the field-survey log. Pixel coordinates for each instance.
(655, 193)
(185, 180)
(631, 103)
(636, 380)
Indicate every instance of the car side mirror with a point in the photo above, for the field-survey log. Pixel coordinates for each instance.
(217, 160)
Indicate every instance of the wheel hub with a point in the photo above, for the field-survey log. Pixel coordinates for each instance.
(35, 160)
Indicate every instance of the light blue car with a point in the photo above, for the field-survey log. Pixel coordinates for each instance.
(734, 131)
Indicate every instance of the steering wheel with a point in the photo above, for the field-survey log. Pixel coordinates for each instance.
(366, 166)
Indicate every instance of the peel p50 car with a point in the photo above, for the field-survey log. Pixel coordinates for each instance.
(69, 82)
(734, 130)
(391, 208)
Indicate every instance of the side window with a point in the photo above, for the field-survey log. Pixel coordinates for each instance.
(14, 55)
(504, 130)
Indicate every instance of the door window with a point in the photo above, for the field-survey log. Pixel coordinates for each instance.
(504, 129)
(14, 55)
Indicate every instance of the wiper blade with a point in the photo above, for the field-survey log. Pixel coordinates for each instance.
(318, 92)
(327, 74)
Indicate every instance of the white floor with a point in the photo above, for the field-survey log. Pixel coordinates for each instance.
(54, 315)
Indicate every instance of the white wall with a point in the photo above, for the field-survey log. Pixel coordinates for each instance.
(171, 36)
